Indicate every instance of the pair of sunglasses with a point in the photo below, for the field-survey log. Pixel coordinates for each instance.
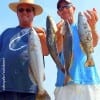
(28, 10)
(65, 6)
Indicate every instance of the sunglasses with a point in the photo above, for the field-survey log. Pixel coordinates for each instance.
(65, 6)
(28, 10)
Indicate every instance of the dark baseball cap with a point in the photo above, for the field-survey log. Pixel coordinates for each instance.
(67, 2)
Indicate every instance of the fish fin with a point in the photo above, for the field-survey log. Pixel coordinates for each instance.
(71, 59)
(91, 49)
(90, 62)
(82, 47)
(31, 75)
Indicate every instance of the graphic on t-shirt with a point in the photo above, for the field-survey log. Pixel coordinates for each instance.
(16, 42)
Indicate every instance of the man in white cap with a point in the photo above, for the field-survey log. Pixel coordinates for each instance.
(14, 77)
(85, 82)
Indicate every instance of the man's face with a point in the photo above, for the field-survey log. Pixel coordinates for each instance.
(25, 14)
(66, 12)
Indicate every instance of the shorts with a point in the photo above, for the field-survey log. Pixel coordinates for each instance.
(16, 96)
(77, 92)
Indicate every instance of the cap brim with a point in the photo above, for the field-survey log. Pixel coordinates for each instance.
(38, 9)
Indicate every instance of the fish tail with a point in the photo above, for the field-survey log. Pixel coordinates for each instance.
(90, 62)
(67, 75)
(67, 79)
(44, 96)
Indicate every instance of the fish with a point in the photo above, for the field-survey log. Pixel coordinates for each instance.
(51, 30)
(86, 39)
(67, 50)
(36, 65)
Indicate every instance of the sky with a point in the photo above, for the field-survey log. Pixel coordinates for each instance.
(8, 18)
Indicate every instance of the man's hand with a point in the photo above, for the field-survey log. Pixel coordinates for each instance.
(92, 17)
(42, 36)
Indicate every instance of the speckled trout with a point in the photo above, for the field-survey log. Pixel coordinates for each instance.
(36, 64)
(51, 30)
(86, 39)
(67, 50)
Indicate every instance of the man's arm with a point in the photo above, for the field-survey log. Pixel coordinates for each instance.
(59, 36)
(42, 36)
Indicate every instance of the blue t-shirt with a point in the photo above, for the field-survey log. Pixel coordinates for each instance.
(14, 63)
(79, 73)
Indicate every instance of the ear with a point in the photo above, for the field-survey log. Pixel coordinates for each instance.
(74, 8)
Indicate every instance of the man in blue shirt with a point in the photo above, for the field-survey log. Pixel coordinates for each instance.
(85, 83)
(15, 83)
